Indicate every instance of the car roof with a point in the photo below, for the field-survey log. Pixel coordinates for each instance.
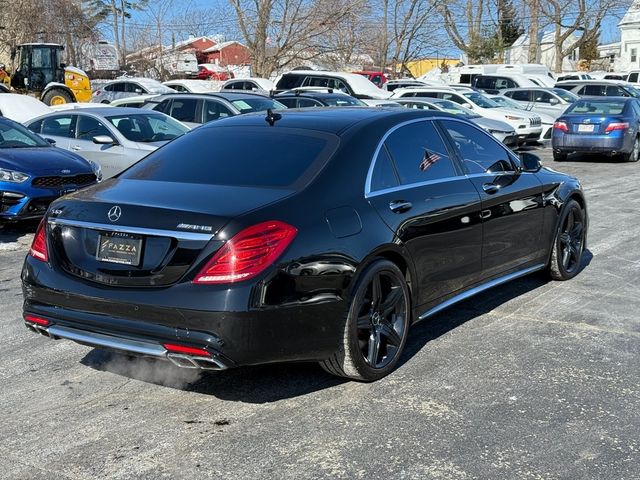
(226, 95)
(100, 112)
(328, 120)
(604, 99)
(142, 80)
(594, 82)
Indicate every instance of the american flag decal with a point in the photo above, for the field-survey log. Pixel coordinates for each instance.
(429, 159)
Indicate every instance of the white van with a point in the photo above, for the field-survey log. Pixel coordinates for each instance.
(494, 82)
(469, 72)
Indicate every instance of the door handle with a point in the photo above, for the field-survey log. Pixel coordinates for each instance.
(400, 206)
(490, 188)
(75, 148)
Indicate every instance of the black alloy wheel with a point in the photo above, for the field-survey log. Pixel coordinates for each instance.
(376, 326)
(569, 243)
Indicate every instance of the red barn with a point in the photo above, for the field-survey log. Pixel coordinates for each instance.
(228, 53)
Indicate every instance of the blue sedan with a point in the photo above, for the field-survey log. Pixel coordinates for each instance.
(605, 125)
(33, 172)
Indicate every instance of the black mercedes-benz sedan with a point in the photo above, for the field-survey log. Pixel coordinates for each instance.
(298, 236)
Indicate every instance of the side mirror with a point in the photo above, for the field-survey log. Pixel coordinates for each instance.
(103, 140)
(51, 141)
(530, 162)
(467, 105)
(554, 101)
(138, 90)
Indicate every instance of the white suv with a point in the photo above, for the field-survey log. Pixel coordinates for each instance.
(350, 83)
(528, 126)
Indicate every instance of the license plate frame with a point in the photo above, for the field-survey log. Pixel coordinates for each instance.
(586, 128)
(119, 248)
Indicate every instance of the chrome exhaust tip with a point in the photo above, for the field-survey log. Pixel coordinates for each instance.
(194, 361)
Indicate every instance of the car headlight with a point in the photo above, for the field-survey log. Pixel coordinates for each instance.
(12, 176)
(512, 117)
(97, 170)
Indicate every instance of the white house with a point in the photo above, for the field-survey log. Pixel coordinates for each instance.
(519, 51)
(625, 54)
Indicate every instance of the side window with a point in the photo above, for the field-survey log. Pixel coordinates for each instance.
(454, 98)
(419, 153)
(215, 111)
(178, 88)
(317, 82)
(89, 127)
(591, 90)
(109, 88)
(502, 83)
(633, 77)
(290, 80)
(383, 175)
(58, 126)
(163, 106)
(615, 91)
(289, 102)
(521, 95)
(307, 102)
(543, 97)
(480, 153)
(425, 94)
(485, 82)
(36, 127)
(338, 84)
(135, 88)
(117, 87)
(184, 109)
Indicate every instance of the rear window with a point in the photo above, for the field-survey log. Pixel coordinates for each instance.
(602, 108)
(256, 104)
(278, 157)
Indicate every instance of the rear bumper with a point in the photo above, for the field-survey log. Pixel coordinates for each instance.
(591, 143)
(220, 321)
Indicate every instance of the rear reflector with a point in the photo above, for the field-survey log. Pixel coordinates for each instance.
(37, 320)
(561, 126)
(616, 126)
(38, 248)
(173, 348)
(248, 253)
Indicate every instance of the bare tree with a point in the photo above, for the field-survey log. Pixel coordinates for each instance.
(464, 21)
(280, 33)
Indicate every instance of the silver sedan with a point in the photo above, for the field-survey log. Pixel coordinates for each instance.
(114, 138)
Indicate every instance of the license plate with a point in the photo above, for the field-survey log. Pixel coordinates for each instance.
(119, 248)
(586, 128)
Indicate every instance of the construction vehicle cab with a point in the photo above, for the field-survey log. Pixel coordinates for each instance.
(39, 70)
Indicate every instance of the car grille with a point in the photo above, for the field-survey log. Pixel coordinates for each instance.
(60, 180)
(535, 122)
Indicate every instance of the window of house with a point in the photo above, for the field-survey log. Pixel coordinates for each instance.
(634, 55)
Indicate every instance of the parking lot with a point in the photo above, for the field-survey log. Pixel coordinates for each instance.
(531, 380)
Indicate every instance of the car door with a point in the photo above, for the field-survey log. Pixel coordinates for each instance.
(215, 110)
(546, 102)
(512, 202)
(523, 97)
(109, 157)
(421, 194)
(187, 110)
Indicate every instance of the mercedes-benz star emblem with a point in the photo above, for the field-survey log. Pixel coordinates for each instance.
(114, 213)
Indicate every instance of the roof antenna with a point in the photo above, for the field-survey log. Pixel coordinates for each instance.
(272, 118)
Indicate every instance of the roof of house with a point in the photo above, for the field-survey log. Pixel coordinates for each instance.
(219, 46)
(633, 14)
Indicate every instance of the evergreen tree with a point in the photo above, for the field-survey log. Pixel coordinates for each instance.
(509, 24)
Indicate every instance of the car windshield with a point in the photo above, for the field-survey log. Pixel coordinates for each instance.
(565, 95)
(13, 135)
(633, 91)
(343, 101)
(613, 107)
(256, 104)
(147, 128)
(278, 157)
(452, 107)
(480, 100)
(507, 102)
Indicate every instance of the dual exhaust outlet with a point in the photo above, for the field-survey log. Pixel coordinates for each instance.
(180, 355)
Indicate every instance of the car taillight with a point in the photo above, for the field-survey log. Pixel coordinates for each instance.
(248, 253)
(174, 348)
(561, 126)
(616, 126)
(38, 248)
(37, 320)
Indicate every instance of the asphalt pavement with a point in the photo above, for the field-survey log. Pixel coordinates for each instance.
(531, 380)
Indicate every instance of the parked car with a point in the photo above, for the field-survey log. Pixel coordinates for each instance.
(303, 247)
(253, 84)
(378, 78)
(115, 138)
(493, 82)
(211, 71)
(130, 102)
(194, 86)
(33, 172)
(551, 101)
(527, 125)
(351, 83)
(599, 88)
(606, 126)
(574, 76)
(391, 85)
(21, 108)
(195, 109)
(129, 87)
(303, 99)
(546, 121)
(502, 131)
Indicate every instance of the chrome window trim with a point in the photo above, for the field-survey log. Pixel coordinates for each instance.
(367, 186)
(135, 230)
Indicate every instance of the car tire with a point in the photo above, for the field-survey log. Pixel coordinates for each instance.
(559, 157)
(376, 325)
(568, 243)
(634, 154)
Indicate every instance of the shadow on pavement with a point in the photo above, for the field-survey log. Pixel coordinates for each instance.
(270, 383)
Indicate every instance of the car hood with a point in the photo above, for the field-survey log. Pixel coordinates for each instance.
(491, 124)
(517, 113)
(43, 161)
